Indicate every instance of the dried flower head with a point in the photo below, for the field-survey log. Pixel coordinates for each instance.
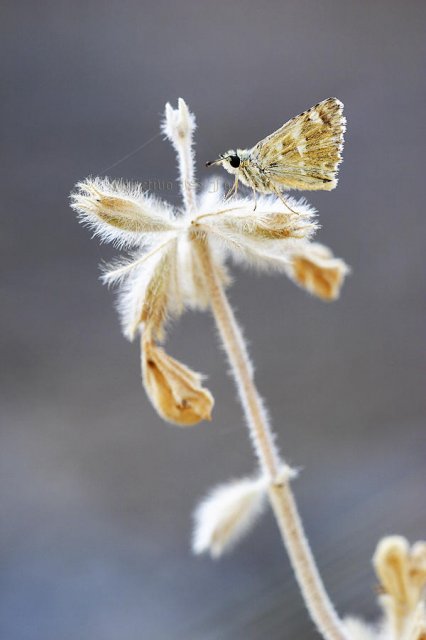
(162, 275)
(401, 570)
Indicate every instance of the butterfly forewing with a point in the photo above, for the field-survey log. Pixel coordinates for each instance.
(306, 151)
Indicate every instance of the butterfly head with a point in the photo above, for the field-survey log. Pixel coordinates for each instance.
(230, 161)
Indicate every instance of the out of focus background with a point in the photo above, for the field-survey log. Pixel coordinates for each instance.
(96, 491)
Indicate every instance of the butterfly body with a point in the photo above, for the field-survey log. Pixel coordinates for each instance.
(304, 153)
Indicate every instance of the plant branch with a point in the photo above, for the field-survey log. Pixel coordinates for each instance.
(281, 498)
(179, 127)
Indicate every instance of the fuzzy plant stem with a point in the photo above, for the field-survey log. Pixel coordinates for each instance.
(179, 127)
(280, 494)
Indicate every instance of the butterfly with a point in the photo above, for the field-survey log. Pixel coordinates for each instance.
(304, 153)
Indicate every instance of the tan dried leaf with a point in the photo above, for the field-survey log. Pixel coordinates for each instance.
(175, 390)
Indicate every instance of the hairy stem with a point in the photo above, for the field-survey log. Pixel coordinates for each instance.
(187, 178)
(280, 494)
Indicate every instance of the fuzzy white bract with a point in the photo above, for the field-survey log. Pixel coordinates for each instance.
(227, 514)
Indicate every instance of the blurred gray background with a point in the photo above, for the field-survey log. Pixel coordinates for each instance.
(96, 491)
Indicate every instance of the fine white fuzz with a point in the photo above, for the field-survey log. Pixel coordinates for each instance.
(227, 514)
(359, 630)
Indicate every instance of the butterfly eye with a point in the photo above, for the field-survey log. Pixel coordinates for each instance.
(234, 161)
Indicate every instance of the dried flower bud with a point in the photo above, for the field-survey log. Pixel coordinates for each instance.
(227, 514)
(402, 574)
(116, 205)
(174, 390)
(316, 269)
(401, 570)
(179, 123)
(270, 221)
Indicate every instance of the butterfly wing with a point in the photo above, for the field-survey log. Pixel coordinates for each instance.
(305, 152)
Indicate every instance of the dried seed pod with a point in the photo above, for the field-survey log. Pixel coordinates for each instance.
(314, 268)
(175, 390)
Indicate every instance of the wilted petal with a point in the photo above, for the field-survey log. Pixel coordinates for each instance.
(227, 514)
(314, 268)
(118, 211)
(174, 390)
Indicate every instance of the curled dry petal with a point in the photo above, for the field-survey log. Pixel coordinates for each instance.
(314, 268)
(175, 391)
(227, 514)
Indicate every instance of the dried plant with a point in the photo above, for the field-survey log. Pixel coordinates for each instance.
(401, 571)
(178, 259)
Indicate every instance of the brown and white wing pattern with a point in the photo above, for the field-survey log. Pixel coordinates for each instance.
(305, 152)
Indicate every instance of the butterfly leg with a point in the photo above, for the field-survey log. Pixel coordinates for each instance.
(283, 200)
(255, 198)
(233, 190)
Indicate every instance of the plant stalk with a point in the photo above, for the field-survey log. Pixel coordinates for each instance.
(280, 494)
